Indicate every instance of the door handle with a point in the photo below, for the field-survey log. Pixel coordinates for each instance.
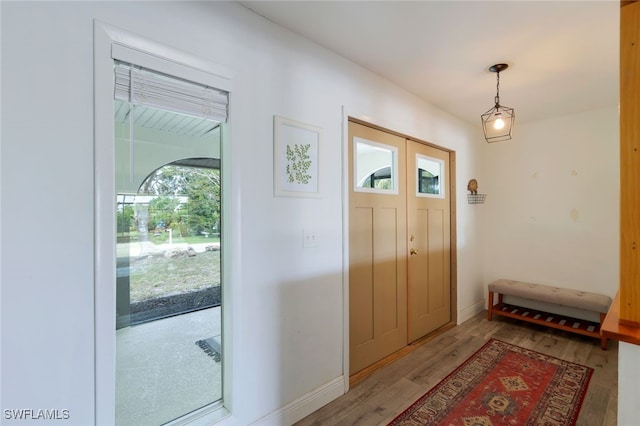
(413, 251)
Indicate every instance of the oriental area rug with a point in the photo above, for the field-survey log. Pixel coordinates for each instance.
(503, 384)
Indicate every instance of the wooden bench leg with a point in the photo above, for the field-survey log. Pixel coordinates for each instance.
(603, 339)
(490, 306)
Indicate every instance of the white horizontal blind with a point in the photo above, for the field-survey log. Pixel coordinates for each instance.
(143, 87)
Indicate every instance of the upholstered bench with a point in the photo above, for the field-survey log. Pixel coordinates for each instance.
(581, 300)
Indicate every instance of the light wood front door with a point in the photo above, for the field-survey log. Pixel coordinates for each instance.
(399, 243)
(377, 246)
(429, 228)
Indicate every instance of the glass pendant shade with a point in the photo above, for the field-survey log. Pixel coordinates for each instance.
(497, 123)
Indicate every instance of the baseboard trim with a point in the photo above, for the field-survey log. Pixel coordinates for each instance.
(471, 311)
(305, 405)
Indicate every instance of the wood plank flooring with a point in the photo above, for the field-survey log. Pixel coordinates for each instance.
(383, 395)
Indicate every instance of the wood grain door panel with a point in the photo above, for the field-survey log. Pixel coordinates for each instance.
(428, 219)
(396, 298)
(377, 263)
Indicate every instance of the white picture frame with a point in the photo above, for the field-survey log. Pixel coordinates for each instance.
(296, 158)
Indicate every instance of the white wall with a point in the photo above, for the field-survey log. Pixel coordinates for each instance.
(552, 211)
(628, 384)
(551, 214)
(287, 311)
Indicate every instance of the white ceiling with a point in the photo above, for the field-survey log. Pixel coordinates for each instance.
(562, 55)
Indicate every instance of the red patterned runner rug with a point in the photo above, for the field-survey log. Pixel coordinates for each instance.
(503, 384)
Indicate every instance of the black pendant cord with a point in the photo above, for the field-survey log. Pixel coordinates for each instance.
(497, 89)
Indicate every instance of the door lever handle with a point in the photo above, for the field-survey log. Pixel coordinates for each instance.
(413, 251)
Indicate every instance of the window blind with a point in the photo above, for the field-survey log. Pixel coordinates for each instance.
(144, 87)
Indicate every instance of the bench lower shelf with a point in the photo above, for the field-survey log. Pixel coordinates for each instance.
(560, 322)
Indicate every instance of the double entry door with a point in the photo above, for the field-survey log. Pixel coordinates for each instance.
(399, 243)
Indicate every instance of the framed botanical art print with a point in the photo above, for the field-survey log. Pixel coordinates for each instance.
(296, 158)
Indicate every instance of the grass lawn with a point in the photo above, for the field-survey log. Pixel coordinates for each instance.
(156, 276)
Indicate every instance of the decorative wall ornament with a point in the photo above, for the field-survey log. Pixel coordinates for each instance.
(296, 148)
(473, 197)
(472, 186)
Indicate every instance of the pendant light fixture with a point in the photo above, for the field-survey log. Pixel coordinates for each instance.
(497, 123)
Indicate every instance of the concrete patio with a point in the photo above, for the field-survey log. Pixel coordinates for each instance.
(161, 373)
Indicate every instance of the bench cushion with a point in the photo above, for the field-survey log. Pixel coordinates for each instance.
(559, 296)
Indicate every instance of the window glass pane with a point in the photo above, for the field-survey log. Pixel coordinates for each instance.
(168, 290)
(375, 167)
(430, 176)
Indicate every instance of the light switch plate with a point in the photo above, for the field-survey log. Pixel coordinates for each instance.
(309, 238)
